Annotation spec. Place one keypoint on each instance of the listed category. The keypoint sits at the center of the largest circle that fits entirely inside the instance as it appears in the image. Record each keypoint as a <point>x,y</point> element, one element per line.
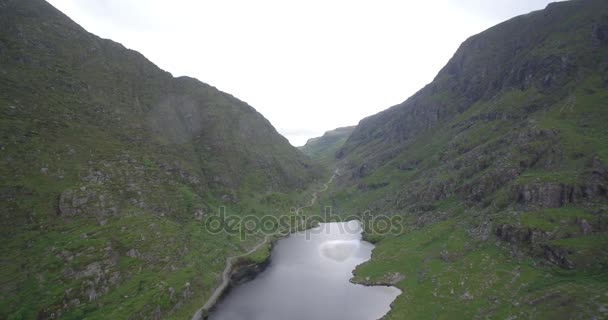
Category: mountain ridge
<point>497,167</point>
<point>110,167</point>
<point>323,149</point>
<point>498,164</point>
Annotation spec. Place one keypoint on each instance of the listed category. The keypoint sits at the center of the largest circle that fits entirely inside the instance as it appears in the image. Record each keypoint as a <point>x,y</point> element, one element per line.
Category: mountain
<point>108,166</point>
<point>499,169</point>
<point>323,149</point>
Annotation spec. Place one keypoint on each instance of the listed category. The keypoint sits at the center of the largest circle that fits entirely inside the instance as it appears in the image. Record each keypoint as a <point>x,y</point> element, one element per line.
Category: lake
<point>308,278</point>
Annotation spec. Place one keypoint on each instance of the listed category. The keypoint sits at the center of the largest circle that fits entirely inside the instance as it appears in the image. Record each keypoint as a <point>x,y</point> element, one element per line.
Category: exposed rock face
<point>483,109</point>
<point>389,279</point>
<point>535,240</point>
<point>514,123</point>
<point>557,256</point>
<point>96,278</point>
<point>82,202</point>
<point>555,195</point>
<point>515,235</point>
<point>546,195</point>
<point>246,270</point>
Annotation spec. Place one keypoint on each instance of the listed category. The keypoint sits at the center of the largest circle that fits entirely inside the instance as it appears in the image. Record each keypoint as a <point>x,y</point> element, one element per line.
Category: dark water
<point>308,278</point>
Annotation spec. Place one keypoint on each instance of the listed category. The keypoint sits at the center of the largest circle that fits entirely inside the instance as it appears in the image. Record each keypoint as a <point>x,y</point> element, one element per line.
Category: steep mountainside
<point>323,149</point>
<point>500,169</point>
<point>108,165</point>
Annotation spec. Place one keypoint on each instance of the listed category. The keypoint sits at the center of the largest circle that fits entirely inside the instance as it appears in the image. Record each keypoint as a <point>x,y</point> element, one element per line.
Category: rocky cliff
<point>515,119</point>
<point>500,163</point>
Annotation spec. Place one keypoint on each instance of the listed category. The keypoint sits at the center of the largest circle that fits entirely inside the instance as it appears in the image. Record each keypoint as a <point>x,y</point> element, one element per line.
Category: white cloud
<point>308,66</point>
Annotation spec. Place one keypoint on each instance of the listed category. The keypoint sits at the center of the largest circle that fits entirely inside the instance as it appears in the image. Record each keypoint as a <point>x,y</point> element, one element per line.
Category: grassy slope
<point>457,159</point>
<point>448,275</point>
<point>323,149</point>
<point>107,162</point>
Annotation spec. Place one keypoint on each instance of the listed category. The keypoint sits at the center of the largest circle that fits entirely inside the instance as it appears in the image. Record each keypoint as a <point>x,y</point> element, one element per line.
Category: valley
<point>112,169</point>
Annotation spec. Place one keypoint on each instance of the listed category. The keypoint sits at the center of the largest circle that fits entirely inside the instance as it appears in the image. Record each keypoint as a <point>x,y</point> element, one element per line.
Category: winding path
<point>315,194</point>
<point>217,293</point>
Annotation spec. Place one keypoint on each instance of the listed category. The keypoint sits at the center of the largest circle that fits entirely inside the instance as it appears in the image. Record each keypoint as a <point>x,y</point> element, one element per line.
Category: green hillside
<point>109,165</point>
<point>499,168</point>
<point>323,149</point>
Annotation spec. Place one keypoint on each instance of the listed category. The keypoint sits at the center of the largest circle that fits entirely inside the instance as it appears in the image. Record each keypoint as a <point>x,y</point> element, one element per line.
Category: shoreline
<point>232,262</point>
<point>245,271</point>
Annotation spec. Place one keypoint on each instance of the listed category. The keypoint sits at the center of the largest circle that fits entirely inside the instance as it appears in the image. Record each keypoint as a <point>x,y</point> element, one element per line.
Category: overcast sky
<point>308,66</point>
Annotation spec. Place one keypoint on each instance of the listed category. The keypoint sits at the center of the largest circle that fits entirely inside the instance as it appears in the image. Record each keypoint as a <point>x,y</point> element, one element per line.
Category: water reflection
<point>339,250</point>
<point>308,278</point>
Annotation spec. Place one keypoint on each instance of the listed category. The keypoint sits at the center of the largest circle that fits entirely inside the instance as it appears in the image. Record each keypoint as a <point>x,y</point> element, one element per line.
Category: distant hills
<point>323,149</point>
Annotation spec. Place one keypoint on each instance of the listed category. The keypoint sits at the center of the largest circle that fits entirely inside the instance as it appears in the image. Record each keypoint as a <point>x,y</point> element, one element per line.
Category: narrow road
<point>217,293</point>
<point>314,198</point>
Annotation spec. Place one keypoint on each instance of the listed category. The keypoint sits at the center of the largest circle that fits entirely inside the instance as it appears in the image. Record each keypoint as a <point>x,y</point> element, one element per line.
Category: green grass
<point>165,149</point>
<point>449,275</point>
<point>496,131</point>
<point>323,149</point>
<point>555,219</point>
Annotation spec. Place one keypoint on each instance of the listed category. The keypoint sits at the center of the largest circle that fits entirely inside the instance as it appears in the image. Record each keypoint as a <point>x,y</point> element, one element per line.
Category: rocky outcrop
<point>497,60</point>
<point>486,184</point>
<point>517,235</point>
<point>389,279</point>
<point>557,256</point>
<point>247,270</point>
<point>87,202</point>
<point>537,242</point>
<point>546,195</point>
<point>496,80</point>
<point>96,278</point>
<point>555,195</point>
